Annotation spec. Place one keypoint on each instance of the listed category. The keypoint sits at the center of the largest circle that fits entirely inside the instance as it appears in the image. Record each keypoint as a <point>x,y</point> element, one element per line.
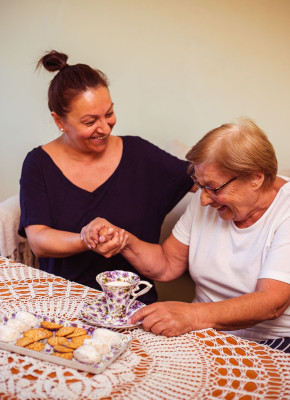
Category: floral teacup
<point>118,287</point>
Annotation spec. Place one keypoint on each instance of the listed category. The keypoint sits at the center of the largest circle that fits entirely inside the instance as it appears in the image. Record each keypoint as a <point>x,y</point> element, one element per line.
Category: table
<point>199,365</point>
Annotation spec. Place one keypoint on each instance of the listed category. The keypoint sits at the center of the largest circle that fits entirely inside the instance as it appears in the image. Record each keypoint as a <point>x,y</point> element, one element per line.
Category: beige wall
<point>177,68</point>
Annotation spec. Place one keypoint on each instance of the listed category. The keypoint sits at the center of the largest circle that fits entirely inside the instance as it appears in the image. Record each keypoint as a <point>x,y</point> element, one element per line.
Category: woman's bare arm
<point>172,318</point>
<point>47,242</point>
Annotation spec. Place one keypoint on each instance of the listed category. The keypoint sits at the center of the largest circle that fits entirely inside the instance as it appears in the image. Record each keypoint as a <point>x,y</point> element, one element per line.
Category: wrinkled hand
<point>103,237</point>
<point>170,318</point>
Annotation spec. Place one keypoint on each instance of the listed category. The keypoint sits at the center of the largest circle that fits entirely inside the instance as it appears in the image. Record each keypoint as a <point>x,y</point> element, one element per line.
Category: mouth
<point>99,137</point>
<point>220,208</point>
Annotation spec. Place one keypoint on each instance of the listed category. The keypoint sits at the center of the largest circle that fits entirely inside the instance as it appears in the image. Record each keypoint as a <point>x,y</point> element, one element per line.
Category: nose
<point>205,198</point>
<point>104,127</point>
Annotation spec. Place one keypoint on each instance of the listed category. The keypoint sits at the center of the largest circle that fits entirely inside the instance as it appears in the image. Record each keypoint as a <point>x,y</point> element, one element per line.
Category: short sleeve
<point>276,264</point>
<point>164,176</point>
<point>34,201</point>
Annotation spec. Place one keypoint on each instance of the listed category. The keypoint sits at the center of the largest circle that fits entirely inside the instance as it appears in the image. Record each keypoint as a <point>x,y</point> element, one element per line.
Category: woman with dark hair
<point>87,173</point>
<point>234,238</point>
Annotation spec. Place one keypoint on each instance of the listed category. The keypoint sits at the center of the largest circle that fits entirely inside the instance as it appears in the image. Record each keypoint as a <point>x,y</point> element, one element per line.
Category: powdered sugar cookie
<point>8,334</point>
<point>87,354</point>
<point>27,317</point>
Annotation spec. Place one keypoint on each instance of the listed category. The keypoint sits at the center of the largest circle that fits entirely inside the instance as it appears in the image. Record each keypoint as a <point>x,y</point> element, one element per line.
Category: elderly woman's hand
<point>103,237</point>
<point>170,318</point>
<point>113,246</point>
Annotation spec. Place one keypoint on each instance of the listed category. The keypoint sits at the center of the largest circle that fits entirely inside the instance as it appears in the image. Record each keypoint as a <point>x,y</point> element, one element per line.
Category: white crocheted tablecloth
<point>198,365</point>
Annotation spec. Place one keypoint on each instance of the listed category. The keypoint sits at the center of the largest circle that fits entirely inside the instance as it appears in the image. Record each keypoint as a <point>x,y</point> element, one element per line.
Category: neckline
<point>115,172</point>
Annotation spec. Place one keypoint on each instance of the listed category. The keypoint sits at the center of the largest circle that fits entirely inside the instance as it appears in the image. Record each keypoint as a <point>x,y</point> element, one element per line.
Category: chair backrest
<point>12,245</point>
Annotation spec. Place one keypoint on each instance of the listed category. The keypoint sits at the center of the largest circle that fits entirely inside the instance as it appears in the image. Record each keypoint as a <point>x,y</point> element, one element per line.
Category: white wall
<point>177,68</point>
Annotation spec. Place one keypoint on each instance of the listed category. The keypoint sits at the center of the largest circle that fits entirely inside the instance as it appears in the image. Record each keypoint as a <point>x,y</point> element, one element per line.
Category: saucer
<point>95,313</point>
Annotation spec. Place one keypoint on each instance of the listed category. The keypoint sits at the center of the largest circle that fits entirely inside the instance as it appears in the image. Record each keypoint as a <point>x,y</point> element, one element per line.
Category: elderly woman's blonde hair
<point>241,148</point>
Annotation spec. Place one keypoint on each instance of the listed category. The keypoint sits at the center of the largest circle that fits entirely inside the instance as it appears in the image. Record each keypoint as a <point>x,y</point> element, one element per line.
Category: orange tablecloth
<point>199,365</point>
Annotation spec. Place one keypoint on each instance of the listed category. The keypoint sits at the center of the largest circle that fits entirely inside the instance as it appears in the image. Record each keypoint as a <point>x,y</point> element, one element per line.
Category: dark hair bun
<point>53,61</point>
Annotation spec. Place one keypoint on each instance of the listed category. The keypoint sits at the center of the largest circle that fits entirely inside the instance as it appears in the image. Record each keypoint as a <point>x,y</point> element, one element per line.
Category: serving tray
<point>45,354</point>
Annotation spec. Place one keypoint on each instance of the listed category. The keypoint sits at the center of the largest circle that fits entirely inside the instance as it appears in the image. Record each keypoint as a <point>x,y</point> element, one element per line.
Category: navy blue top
<point>145,186</point>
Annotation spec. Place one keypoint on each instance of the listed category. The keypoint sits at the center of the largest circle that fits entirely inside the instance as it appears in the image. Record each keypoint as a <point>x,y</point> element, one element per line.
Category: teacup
<point>118,287</point>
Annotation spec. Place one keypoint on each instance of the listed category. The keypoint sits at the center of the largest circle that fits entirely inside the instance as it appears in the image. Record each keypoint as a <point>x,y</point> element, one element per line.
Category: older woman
<point>87,172</point>
<point>234,237</point>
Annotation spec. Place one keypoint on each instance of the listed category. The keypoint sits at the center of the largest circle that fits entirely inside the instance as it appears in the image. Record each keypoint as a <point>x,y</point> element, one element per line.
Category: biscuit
<point>50,325</point>
<point>80,339</point>
<point>64,331</point>
<point>38,333</point>
<point>73,345</point>
<point>36,346</point>
<point>24,341</point>
<point>77,332</point>
<point>62,349</point>
<point>67,356</point>
<point>54,340</point>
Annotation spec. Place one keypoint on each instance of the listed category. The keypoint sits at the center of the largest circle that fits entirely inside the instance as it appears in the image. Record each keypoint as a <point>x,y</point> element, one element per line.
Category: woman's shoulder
<point>137,141</point>
<point>35,154</point>
<point>145,149</point>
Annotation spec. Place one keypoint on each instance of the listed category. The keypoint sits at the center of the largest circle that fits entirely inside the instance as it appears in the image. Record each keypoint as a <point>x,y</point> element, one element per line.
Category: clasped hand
<point>103,237</point>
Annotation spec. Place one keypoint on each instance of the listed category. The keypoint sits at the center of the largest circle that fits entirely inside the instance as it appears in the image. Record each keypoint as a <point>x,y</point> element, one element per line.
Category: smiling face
<point>89,123</point>
<point>236,201</point>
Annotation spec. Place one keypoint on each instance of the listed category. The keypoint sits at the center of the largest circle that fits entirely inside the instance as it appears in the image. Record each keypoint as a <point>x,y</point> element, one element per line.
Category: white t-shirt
<point>226,261</point>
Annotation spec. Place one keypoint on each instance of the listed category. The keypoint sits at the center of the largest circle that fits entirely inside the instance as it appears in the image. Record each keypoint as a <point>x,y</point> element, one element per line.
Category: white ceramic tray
<point>109,358</point>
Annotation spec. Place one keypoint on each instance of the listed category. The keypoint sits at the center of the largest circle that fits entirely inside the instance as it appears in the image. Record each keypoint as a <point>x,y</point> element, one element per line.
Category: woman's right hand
<point>97,231</point>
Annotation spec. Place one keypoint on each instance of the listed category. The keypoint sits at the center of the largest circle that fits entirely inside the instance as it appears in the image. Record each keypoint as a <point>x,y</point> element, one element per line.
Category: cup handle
<point>135,295</point>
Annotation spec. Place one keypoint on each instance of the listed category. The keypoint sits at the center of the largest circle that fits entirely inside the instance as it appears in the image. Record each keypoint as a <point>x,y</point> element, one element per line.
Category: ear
<point>58,120</point>
<point>257,180</point>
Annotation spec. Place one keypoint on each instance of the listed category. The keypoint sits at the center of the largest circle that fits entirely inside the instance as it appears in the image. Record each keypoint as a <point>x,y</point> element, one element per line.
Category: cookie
<point>80,339</point>
<point>54,340</point>
<point>38,333</point>
<point>24,341</point>
<point>77,332</point>
<point>50,325</point>
<point>36,346</point>
<point>73,345</point>
<point>62,349</point>
<point>64,331</point>
<point>67,356</point>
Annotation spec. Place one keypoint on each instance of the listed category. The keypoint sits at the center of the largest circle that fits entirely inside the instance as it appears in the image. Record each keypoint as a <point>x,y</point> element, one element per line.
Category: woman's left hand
<point>170,318</point>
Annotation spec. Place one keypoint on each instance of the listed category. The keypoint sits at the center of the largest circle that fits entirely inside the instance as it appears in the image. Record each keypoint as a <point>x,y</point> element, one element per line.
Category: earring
<point>61,129</point>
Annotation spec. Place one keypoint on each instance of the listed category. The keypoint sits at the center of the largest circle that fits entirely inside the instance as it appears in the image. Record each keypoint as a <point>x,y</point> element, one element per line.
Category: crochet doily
<point>198,365</point>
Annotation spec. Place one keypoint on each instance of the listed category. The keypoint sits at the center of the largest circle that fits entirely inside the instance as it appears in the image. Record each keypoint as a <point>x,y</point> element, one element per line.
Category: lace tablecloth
<point>199,365</point>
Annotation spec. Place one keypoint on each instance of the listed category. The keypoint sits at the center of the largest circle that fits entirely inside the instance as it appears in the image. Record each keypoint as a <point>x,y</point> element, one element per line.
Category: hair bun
<point>53,61</point>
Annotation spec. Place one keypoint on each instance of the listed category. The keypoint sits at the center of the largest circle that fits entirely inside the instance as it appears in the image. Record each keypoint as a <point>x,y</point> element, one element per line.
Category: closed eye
<point>109,114</point>
<point>89,123</point>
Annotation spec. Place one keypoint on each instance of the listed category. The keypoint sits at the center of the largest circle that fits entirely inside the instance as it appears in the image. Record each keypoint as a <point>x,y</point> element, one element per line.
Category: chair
<point>12,245</point>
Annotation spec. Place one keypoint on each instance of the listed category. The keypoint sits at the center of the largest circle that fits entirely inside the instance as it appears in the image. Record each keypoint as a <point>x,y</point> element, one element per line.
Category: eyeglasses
<point>212,191</point>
